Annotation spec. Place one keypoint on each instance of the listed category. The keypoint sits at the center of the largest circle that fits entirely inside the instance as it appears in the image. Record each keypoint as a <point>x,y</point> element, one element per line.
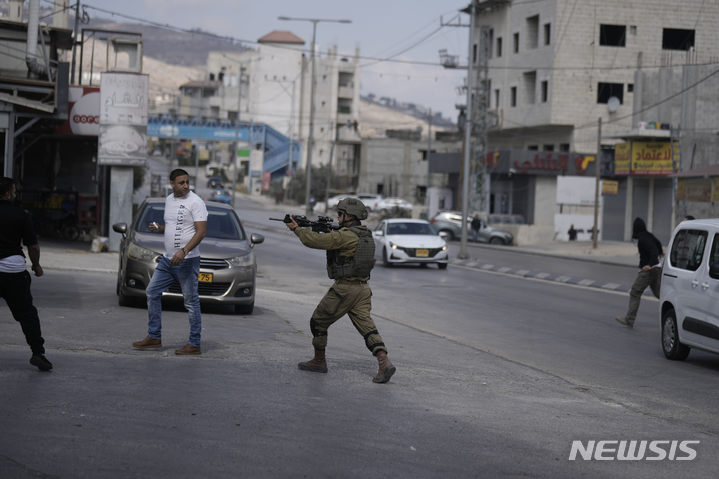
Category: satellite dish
<point>613,104</point>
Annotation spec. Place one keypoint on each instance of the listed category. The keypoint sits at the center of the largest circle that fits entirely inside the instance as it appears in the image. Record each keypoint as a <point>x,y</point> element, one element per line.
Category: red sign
<point>84,112</point>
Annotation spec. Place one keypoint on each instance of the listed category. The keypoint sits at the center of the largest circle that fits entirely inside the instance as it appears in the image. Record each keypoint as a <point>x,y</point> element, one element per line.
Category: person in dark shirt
<point>572,233</point>
<point>650,270</point>
<point>15,229</point>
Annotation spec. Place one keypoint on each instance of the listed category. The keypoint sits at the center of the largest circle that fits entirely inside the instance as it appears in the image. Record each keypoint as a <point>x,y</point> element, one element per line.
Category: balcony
<point>345,92</point>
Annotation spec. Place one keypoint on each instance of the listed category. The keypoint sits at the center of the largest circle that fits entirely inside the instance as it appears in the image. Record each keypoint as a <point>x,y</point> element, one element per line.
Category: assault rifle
<point>322,225</point>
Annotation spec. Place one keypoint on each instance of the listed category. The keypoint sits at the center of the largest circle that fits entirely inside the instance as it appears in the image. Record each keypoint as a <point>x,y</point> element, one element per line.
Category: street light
<point>310,138</point>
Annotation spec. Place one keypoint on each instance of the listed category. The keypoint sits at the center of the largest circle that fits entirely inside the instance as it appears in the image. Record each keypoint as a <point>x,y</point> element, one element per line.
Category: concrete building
<point>271,84</point>
<point>556,66</point>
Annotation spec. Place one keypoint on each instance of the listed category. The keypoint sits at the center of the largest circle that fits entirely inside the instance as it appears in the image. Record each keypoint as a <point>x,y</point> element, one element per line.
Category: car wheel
<point>442,265</point>
<point>673,349</point>
<point>385,261</point>
<point>450,235</point>
<point>496,240</point>
<point>244,308</point>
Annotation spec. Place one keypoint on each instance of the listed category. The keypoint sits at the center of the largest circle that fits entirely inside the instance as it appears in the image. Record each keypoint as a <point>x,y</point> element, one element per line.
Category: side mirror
<point>444,235</point>
<point>378,233</point>
<point>714,270</point>
<point>120,228</point>
<point>256,238</point>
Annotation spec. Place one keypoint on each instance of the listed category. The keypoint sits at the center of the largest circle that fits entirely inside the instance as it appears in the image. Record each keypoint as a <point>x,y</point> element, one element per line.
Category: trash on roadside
<point>99,244</point>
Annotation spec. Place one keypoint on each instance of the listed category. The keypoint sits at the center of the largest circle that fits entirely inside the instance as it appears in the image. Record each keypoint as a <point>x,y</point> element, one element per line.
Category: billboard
<point>652,158</point>
<point>123,119</point>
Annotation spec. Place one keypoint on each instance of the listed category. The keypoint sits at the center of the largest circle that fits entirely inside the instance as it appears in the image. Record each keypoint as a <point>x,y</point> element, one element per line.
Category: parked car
<point>400,240</point>
<point>227,262</point>
<point>689,290</point>
<point>450,223</point>
<point>221,196</point>
<point>370,200</point>
<point>215,182</point>
<point>389,204</point>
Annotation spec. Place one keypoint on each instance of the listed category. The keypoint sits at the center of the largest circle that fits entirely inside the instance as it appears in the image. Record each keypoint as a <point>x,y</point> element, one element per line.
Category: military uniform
<point>349,295</point>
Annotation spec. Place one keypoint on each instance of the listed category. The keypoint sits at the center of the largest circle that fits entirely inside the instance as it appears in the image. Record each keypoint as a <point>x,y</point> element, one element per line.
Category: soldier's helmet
<point>353,206</point>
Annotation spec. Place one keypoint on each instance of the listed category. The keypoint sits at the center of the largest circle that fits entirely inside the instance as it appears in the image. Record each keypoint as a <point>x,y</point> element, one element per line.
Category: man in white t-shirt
<point>185,227</point>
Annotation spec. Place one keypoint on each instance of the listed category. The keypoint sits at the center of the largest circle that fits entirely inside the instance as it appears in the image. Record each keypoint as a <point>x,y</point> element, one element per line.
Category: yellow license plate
<point>205,277</point>
<point>422,252</point>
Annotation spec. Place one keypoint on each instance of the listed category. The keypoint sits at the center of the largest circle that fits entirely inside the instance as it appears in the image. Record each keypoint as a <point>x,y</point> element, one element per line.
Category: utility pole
<point>469,123</point>
<point>235,157</point>
<point>74,42</point>
<point>429,152</point>
<point>597,164</point>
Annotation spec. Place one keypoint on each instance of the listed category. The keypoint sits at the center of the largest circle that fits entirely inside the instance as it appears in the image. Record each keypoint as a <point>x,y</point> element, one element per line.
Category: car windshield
<point>410,229</point>
<point>221,223</point>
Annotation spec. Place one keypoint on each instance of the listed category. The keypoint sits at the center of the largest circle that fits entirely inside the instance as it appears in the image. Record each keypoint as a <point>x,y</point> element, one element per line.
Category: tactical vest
<point>357,266</point>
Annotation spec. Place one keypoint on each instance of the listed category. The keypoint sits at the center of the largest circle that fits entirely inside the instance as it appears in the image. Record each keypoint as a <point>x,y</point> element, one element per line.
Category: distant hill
<point>174,48</point>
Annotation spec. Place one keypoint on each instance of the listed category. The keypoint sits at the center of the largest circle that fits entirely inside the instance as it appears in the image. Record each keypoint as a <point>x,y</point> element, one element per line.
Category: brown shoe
<point>148,343</point>
<point>386,369</point>
<point>318,364</point>
<point>623,320</point>
<point>188,349</point>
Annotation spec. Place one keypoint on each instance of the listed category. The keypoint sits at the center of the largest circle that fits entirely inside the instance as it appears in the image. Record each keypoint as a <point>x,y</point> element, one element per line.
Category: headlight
<point>244,260</point>
<point>444,248</point>
<point>139,253</point>
<point>392,245</point>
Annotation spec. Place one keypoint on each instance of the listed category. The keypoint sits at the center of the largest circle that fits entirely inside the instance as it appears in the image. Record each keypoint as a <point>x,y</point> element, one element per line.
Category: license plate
<point>423,252</point>
<point>205,277</point>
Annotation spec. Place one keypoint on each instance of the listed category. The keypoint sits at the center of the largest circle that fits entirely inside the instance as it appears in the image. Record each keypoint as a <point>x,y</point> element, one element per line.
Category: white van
<point>689,298</point>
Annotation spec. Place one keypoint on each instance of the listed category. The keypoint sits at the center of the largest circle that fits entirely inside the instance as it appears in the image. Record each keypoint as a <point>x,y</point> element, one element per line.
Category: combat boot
<point>386,369</point>
<point>318,364</point>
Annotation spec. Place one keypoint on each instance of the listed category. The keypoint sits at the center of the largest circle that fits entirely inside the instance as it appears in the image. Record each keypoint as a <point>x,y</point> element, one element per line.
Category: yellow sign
<point>651,158</point>
<point>610,187</point>
<point>622,158</point>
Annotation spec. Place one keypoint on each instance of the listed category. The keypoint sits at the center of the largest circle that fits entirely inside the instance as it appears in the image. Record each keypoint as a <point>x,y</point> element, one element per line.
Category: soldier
<point>350,258</point>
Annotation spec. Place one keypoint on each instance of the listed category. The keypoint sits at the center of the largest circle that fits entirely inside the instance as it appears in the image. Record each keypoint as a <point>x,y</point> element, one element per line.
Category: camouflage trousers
<point>353,299</point>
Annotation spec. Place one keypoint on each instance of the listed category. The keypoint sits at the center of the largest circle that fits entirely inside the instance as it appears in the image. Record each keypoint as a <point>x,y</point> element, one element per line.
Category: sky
<point>379,28</point>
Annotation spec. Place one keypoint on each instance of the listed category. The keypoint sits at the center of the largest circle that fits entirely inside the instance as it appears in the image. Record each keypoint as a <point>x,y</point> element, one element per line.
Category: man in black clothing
<point>650,274</point>
<point>16,227</point>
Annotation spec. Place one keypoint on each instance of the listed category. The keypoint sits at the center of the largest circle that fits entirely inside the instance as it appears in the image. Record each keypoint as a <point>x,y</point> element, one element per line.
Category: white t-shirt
<point>13,264</point>
<point>180,217</point>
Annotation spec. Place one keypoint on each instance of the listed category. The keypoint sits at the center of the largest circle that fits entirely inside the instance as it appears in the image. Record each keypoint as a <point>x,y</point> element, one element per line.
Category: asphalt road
<point>497,375</point>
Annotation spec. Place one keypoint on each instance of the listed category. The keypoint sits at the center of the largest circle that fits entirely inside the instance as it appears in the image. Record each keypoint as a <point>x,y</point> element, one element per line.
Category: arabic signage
<point>544,163</point>
<point>696,189</point>
<point>643,158</point>
<point>123,119</point>
<point>204,132</point>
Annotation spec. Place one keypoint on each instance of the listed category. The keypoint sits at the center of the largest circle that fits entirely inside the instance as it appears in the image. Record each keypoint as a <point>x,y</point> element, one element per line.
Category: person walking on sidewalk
<point>650,274</point>
<point>185,227</point>
<point>350,258</point>
<point>15,229</point>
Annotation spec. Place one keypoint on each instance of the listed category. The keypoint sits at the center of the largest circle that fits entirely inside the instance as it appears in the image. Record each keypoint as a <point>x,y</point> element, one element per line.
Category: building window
<point>547,33</point>
<point>474,54</point>
<point>533,148</point>
<point>545,91</point>
<point>564,147</point>
<point>515,41</point>
<point>632,29</point>
<point>630,87</point>
<point>677,39</point>
<point>613,35</point>
<point>496,98</point>
<point>607,90</point>
<point>491,41</point>
<point>513,96</point>
<point>548,147</point>
<point>499,47</point>
<point>533,32</point>
<point>530,86</point>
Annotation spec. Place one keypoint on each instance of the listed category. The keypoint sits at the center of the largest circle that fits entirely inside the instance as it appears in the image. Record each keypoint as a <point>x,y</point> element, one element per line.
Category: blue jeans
<point>166,273</point>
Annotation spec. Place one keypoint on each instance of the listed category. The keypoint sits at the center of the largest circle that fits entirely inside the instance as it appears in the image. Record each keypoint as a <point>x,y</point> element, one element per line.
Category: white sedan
<point>403,240</point>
